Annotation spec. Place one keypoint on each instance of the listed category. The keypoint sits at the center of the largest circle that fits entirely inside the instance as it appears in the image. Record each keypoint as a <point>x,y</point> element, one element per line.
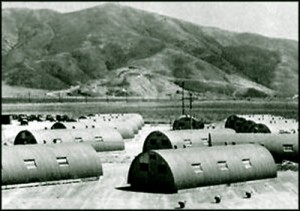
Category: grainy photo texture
<point>149,105</point>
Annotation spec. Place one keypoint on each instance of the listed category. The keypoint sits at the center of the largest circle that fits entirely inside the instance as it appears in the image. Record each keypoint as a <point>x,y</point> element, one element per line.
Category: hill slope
<point>50,50</point>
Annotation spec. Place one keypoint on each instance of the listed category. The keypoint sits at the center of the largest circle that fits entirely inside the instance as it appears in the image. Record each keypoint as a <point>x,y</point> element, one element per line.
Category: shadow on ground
<point>133,189</point>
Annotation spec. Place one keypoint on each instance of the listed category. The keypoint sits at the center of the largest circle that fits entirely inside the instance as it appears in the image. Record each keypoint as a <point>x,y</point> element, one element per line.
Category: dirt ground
<point>109,191</point>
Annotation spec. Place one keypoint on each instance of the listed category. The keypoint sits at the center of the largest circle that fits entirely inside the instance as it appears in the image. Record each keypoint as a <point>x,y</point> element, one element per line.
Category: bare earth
<point>107,193</point>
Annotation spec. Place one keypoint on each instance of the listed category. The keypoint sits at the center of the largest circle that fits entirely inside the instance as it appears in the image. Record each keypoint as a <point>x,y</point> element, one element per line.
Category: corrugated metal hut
<point>242,125</point>
<point>275,124</point>
<point>137,118</point>
<point>281,146</point>
<point>41,163</point>
<point>185,122</point>
<point>107,139</point>
<point>124,129</point>
<point>72,125</point>
<point>173,139</point>
<point>171,170</point>
<point>131,123</point>
<point>10,132</point>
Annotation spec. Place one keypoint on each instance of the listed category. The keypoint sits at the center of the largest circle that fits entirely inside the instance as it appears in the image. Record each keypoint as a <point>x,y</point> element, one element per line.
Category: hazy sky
<point>273,19</point>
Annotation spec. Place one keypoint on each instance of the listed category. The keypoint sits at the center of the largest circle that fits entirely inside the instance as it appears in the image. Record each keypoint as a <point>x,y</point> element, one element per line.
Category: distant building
<point>106,139</point>
<point>184,122</point>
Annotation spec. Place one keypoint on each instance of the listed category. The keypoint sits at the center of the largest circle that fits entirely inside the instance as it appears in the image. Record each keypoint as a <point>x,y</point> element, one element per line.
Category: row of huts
<point>260,123</point>
<point>64,150</point>
<point>127,125</point>
<point>178,159</point>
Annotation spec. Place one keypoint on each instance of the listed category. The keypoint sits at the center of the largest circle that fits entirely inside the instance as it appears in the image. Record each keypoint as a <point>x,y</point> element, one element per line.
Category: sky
<point>272,19</point>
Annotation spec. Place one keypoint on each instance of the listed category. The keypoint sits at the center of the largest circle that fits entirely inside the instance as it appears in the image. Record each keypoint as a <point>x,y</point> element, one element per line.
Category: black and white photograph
<point>149,105</point>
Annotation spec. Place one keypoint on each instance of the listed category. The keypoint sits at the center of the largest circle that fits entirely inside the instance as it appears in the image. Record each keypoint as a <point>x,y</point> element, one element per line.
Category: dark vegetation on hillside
<point>50,50</point>
<point>256,63</point>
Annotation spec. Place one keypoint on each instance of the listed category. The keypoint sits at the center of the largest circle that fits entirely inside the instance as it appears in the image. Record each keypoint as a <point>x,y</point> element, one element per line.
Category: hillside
<point>109,48</point>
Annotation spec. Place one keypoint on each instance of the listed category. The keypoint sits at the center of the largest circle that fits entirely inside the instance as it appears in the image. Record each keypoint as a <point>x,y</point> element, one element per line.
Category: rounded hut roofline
<point>41,163</point>
<point>195,167</point>
<point>186,116</point>
<point>162,139</point>
<point>197,150</point>
<point>91,135</point>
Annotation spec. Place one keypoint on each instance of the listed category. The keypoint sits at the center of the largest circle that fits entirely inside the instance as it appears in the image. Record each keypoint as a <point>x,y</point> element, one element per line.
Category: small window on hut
<point>223,165</point>
<point>197,167</point>
<point>62,161</point>
<point>79,139</point>
<point>204,141</point>
<point>247,163</point>
<point>30,163</point>
<point>187,142</point>
<point>288,147</point>
<point>161,168</point>
<point>144,166</point>
<point>57,140</point>
<point>99,138</point>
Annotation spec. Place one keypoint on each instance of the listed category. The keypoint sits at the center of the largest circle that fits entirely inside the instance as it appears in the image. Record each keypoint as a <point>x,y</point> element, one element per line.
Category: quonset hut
<point>173,139</point>
<point>40,163</point>
<point>72,125</point>
<point>281,146</point>
<point>124,129</point>
<point>241,125</point>
<point>107,139</point>
<point>172,170</point>
<point>185,122</point>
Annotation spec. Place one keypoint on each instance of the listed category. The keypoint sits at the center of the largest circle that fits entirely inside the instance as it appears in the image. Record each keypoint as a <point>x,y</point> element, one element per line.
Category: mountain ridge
<point>84,47</point>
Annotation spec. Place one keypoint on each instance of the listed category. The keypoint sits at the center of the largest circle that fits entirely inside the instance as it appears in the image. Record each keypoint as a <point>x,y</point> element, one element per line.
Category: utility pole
<point>29,99</point>
<point>191,100</point>
<point>182,92</point>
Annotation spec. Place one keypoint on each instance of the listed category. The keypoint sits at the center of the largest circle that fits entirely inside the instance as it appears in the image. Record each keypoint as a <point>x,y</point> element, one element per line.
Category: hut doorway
<point>25,137</point>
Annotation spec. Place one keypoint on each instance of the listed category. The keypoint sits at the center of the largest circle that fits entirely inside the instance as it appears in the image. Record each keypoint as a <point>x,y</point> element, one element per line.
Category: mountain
<point>111,48</point>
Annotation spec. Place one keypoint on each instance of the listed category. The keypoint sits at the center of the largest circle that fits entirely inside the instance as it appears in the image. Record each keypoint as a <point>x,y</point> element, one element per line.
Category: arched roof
<point>38,163</point>
<point>184,122</point>
<point>181,138</point>
<point>241,163</point>
<point>72,125</point>
<point>102,140</point>
<point>126,130</point>
<point>275,143</point>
